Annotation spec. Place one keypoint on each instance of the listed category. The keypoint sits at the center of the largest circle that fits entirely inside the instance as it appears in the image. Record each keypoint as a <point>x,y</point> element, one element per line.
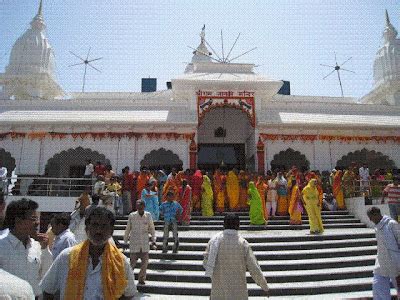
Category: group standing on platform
<point>278,193</point>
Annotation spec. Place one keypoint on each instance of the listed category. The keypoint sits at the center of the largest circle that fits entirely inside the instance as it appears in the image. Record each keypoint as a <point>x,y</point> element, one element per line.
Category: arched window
<point>161,159</point>
<point>284,160</point>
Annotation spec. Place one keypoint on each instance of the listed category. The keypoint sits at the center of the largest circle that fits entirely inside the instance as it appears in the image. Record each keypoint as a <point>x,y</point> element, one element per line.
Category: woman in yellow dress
<point>311,202</point>
<point>207,198</point>
<point>232,190</point>
<point>338,191</point>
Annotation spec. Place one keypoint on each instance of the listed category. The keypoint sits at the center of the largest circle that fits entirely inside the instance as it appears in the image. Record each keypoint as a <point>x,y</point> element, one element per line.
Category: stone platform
<point>297,265</point>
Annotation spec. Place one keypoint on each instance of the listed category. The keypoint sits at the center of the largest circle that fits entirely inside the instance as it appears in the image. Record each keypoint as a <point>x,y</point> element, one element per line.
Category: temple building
<point>214,113</point>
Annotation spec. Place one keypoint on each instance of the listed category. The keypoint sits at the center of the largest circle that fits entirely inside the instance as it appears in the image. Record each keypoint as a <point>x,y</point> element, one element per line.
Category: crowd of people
<point>78,258</point>
<point>264,196</point>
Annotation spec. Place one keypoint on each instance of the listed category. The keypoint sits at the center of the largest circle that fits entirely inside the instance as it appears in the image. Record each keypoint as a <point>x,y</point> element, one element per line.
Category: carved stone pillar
<point>260,156</point>
<point>193,155</point>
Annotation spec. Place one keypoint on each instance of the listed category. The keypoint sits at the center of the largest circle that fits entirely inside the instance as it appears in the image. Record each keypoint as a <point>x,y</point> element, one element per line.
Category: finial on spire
<point>203,33</point>
<point>40,8</point>
<point>390,33</point>
<point>387,18</point>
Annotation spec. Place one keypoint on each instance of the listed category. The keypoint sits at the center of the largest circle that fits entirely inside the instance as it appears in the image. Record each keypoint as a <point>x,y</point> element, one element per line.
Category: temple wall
<point>324,155</point>
<point>31,156</point>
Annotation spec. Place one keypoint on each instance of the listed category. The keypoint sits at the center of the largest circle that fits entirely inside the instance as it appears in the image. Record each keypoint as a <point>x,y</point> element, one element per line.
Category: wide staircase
<point>295,263</point>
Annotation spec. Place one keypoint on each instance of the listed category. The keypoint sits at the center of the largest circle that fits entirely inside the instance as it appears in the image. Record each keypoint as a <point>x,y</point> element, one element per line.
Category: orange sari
<point>338,191</point>
<point>142,179</point>
<point>262,188</point>
<point>219,191</point>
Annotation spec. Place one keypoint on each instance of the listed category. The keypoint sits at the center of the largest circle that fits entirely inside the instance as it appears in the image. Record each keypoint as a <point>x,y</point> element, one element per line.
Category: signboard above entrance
<point>243,100</point>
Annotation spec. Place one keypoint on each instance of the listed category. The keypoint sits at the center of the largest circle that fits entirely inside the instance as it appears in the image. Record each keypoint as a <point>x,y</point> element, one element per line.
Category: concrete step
<point>276,289</point>
<point>274,255</point>
<point>281,246</point>
<point>253,227</point>
<point>272,277</point>
<point>272,265</point>
<point>267,237</point>
<point>246,213</point>
<point>247,222</point>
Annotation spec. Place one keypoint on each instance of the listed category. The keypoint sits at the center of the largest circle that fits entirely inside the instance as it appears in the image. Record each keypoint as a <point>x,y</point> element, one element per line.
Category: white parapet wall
<point>357,207</point>
<point>49,204</point>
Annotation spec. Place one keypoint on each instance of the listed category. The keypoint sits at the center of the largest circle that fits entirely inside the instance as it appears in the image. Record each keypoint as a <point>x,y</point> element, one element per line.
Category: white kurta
<point>229,276</point>
<point>138,230</point>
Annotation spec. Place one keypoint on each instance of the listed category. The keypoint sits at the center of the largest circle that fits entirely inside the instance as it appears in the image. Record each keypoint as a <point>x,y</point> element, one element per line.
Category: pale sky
<point>150,38</point>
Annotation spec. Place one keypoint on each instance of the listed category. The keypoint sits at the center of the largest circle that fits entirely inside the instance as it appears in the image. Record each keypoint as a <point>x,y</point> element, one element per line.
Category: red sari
<point>185,200</point>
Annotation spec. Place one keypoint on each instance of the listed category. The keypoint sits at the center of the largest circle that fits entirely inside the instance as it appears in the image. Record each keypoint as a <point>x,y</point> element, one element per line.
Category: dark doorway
<point>210,156</point>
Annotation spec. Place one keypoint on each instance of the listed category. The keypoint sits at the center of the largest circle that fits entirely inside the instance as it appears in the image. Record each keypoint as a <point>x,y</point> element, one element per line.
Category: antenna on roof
<point>87,62</point>
<point>337,68</point>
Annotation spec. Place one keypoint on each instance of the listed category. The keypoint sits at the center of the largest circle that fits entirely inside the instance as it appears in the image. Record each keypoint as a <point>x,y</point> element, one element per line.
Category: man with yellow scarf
<point>93,269</point>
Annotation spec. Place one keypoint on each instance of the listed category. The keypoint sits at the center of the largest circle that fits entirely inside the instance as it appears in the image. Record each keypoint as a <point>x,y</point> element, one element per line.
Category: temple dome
<point>32,53</point>
<point>387,62</point>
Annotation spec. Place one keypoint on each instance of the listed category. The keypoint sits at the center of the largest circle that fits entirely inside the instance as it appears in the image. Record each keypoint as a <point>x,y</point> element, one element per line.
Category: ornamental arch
<point>285,159</point>
<point>161,159</point>
<point>71,162</point>
<point>374,160</point>
<point>7,161</point>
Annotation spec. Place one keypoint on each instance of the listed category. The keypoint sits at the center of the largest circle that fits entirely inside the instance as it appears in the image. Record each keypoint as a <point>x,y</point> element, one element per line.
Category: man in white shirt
<point>387,264</point>
<point>226,260</point>
<point>140,225</point>
<point>95,268</point>
<point>12,287</point>
<point>363,172</point>
<point>3,179</point>
<point>89,169</point>
<point>64,237</point>
<point>20,254</point>
<point>3,231</point>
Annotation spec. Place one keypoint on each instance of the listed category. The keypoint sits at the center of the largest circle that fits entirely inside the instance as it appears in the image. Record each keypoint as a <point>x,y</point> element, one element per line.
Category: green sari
<point>256,210</point>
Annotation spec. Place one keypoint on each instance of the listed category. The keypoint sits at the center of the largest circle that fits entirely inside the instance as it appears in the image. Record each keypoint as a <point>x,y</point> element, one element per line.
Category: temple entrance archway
<point>226,135</point>
<point>374,160</point>
<point>71,162</point>
<point>161,159</point>
<point>285,159</point>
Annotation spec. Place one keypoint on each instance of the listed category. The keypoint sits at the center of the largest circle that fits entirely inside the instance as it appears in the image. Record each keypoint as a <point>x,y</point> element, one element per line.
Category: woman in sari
<point>173,184</point>
<point>219,191</point>
<point>295,205</point>
<point>150,198</point>
<point>311,203</point>
<point>196,182</point>
<point>338,191</point>
<point>282,190</point>
<point>348,179</point>
<point>185,200</point>
<point>262,190</point>
<point>207,198</point>
<point>232,190</point>
<point>256,209</point>
<point>243,188</point>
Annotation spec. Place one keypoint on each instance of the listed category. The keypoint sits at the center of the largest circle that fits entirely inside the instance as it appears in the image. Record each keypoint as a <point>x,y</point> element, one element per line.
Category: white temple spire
<point>390,33</point>
<point>40,8</point>
<point>38,21</point>
<point>202,53</point>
